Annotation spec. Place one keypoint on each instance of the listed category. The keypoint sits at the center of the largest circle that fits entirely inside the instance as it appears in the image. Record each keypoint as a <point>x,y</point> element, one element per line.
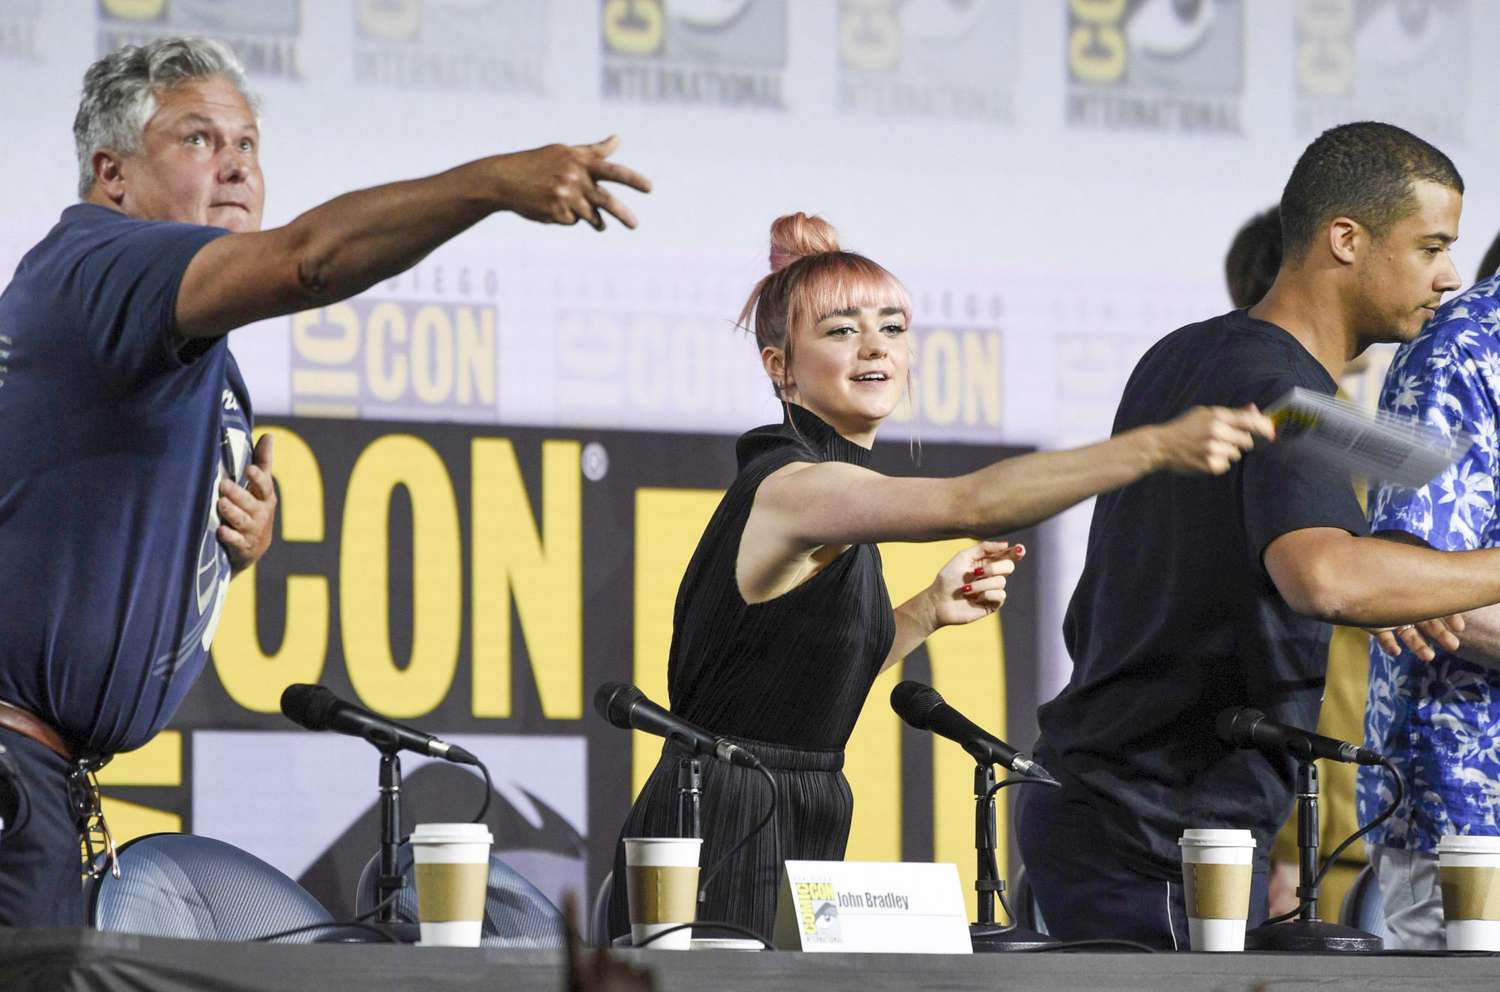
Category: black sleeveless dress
<point>785,678</point>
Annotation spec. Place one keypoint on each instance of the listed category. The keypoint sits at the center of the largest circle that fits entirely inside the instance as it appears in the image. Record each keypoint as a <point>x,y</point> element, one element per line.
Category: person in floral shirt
<point>1439,722</point>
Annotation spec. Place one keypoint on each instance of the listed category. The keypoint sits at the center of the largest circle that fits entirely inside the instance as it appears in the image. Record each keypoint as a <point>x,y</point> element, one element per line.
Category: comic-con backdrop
<point>1056,181</point>
<point>480,583</point>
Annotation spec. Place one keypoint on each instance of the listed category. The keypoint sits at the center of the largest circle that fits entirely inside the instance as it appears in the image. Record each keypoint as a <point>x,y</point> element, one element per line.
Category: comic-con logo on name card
<point>1401,61</point>
<point>494,46</point>
<point>264,34</point>
<point>18,30</point>
<point>723,53</point>
<point>953,59</point>
<point>1156,65</point>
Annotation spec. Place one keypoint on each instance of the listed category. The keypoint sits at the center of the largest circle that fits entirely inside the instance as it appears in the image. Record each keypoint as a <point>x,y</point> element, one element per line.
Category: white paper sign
<point>906,908</point>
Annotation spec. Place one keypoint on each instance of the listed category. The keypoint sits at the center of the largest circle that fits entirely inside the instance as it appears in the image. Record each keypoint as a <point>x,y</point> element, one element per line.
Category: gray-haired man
<point>129,494</point>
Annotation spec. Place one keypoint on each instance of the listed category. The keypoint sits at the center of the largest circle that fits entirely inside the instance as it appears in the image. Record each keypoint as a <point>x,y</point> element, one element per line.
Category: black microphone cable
<point>993,865</point>
<point>1333,858</point>
<point>769,817</point>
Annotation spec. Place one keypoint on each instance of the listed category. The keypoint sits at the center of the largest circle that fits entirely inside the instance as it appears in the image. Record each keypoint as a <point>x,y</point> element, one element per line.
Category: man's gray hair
<point>120,91</point>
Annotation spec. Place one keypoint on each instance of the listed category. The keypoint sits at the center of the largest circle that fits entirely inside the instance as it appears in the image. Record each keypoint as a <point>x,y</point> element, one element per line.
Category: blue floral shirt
<point>1440,722</point>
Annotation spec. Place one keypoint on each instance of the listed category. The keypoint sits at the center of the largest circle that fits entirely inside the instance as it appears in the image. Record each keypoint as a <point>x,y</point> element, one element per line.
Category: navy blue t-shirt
<point>1175,617</point>
<point>114,437</point>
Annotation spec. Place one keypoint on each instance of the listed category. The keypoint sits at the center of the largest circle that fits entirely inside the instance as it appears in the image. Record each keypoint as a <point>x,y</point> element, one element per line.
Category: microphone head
<point>614,701</point>
<point>309,706</point>
<point>1235,724</point>
<point>914,703</point>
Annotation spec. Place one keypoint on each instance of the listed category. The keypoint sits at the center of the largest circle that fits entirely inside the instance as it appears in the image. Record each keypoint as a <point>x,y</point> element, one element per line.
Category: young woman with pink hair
<point>782,620</point>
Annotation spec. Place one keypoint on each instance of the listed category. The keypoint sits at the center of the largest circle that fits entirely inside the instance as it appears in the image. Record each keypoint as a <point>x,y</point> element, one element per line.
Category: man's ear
<point>1346,238</point>
<point>109,178</point>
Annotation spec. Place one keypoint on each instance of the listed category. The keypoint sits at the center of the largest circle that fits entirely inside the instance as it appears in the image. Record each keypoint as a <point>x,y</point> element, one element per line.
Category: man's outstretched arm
<point>342,247</point>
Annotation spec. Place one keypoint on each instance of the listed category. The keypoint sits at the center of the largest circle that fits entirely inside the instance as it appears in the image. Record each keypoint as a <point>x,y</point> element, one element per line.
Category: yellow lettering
<point>312,341</point>
<point>386,382</point>
<point>364,567</point>
<point>541,571</point>
<point>941,392</point>
<point>476,355</point>
<point>668,524</point>
<point>135,10</point>
<point>982,375</point>
<point>432,355</point>
<point>1096,47</point>
<point>394,19</point>
<point>968,664</point>
<point>633,27</point>
<point>251,677</point>
<point>157,763</point>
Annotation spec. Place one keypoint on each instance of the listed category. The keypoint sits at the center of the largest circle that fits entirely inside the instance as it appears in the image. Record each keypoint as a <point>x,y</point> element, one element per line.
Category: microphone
<point>1250,728</point>
<point>626,707</point>
<point>314,707</point>
<point>922,707</point>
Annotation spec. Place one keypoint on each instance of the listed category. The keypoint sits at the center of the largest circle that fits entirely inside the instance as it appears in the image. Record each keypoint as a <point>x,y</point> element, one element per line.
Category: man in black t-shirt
<point>1200,594</point>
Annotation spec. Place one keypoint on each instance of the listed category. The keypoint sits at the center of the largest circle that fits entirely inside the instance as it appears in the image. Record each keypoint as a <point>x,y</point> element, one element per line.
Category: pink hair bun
<point>797,236</point>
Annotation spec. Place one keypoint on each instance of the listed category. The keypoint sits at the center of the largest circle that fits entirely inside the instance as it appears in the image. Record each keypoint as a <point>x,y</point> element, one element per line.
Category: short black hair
<point>1364,171</point>
<point>1254,258</point>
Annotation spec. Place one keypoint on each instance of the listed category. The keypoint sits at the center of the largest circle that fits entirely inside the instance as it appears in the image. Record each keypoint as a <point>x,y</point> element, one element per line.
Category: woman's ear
<point>773,359</point>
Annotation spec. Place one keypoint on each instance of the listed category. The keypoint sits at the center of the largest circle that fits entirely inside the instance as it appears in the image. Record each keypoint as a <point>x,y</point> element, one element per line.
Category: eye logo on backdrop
<point>952,59</point>
<point>18,30</point>
<point>1402,61</point>
<point>1156,65</point>
<point>496,46</point>
<point>724,53</point>
<point>265,34</point>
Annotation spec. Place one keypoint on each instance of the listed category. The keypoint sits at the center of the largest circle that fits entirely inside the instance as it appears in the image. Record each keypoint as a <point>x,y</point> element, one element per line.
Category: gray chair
<point>180,885</point>
<point>1363,906</point>
<point>516,913</point>
<point>599,918</point>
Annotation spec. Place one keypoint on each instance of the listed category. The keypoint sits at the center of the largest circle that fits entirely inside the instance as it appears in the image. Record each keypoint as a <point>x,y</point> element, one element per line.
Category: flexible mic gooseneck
<point>1250,728</point>
<point>626,707</point>
<point>922,707</point>
<point>316,708</point>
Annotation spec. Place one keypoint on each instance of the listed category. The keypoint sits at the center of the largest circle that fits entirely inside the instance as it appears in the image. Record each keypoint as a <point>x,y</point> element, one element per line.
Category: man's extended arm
<point>1369,582</point>
<point>353,241</point>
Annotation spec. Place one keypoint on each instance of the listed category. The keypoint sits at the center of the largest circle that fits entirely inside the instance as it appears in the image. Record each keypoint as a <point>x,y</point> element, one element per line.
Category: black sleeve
<point>1286,488</point>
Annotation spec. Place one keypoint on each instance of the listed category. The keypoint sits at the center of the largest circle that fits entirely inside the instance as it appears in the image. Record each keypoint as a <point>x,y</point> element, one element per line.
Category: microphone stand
<point>985,934</point>
<point>389,882</point>
<point>689,814</point>
<point>1307,933</point>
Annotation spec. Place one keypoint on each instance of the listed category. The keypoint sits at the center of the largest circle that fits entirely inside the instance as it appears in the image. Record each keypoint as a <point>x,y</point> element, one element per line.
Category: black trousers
<point>41,876</point>
<point>1086,892</point>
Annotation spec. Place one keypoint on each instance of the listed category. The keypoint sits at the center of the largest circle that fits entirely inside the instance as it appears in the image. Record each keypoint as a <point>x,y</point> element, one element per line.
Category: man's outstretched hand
<point>561,184</point>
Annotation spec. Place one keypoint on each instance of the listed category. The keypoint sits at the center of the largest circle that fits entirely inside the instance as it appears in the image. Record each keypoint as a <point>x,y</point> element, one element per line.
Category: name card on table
<point>907,908</point>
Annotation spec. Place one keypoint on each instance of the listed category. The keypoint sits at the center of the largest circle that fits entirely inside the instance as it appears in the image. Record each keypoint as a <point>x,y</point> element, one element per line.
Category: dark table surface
<point>66,960</point>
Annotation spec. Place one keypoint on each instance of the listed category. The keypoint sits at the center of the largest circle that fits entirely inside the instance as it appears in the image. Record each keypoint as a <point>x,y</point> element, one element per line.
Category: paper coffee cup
<point>452,873</point>
<point>1469,872</point>
<point>1216,867</point>
<point>661,879</point>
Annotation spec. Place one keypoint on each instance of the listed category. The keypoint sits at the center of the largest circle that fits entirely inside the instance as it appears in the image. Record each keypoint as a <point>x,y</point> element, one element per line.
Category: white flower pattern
<point>1440,723</point>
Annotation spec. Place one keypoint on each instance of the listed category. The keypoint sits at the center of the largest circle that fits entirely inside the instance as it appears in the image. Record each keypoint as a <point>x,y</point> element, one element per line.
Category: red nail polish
<point>1020,550</point>
<point>967,589</point>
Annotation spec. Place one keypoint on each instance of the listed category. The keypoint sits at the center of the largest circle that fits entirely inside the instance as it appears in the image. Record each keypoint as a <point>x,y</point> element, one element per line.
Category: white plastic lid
<point>452,833</point>
<point>1215,837</point>
<point>1469,844</point>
